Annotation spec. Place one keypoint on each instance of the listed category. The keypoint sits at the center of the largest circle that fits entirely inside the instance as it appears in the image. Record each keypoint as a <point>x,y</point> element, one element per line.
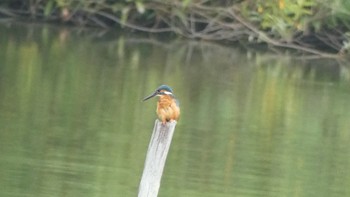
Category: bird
<point>167,106</point>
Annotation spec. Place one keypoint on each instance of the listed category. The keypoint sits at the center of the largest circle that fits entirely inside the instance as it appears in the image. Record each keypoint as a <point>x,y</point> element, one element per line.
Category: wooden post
<point>155,160</point>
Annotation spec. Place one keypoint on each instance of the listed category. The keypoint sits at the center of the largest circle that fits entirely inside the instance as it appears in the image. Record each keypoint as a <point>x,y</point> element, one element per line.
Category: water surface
<point>72,121</point>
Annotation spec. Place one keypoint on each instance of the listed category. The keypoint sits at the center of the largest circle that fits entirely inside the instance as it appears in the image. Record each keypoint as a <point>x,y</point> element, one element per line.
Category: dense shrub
<point>315,26</point>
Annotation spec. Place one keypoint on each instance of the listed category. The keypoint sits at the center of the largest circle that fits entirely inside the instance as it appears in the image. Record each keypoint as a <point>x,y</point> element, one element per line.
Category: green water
<point>72,122</point>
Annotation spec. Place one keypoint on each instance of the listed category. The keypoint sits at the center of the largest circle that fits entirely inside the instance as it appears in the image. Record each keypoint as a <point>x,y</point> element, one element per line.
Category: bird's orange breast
<point>167,109</point>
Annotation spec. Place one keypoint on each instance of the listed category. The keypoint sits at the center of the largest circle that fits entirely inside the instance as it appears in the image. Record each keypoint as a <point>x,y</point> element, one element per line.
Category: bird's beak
<point>150,96</point>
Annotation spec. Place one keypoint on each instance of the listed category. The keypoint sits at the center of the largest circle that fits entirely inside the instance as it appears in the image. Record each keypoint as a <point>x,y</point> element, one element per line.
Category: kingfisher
<point>168,106</point>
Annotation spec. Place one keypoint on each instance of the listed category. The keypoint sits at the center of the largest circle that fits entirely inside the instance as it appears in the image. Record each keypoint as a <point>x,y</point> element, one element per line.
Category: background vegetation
<point>318,27</point>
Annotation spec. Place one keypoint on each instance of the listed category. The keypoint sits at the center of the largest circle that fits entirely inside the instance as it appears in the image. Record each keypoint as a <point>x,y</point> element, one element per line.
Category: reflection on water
<point>72,123</point>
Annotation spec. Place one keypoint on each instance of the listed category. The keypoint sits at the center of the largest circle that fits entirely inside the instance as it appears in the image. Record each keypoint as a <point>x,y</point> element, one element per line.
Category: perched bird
<point>167,106</point>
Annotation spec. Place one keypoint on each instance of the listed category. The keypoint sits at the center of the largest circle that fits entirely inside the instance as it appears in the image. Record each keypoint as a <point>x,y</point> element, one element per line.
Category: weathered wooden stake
<point>155,160</point>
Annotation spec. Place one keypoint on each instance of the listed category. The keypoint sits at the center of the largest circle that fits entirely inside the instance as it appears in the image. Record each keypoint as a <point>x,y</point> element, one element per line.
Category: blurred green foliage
<point>280,19</point>
<point>277,15</point>
<point>286,17</point>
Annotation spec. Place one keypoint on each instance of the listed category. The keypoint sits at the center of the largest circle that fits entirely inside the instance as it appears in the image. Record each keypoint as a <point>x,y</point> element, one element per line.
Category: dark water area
<point>253,124</point>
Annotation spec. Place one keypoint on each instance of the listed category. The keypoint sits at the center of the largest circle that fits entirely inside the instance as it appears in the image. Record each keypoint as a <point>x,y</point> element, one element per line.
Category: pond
<point>253,123</point>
